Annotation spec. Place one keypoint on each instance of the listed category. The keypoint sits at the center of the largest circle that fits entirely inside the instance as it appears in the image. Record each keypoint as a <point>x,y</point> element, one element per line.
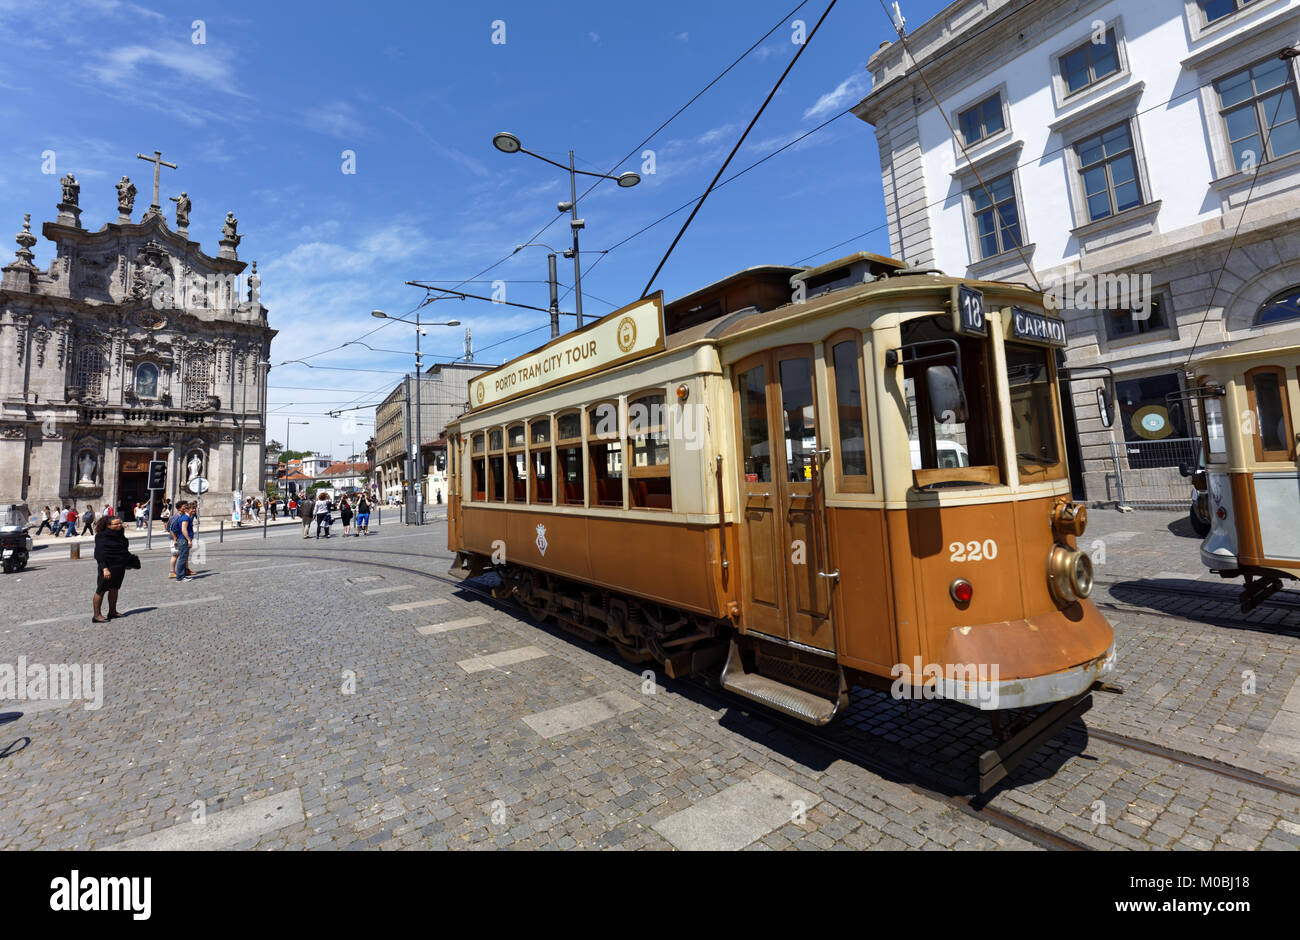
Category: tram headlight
<point>1069,574</point>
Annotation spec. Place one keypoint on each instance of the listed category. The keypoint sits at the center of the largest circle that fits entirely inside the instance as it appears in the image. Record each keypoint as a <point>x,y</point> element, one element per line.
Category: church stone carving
<point>125,199</point>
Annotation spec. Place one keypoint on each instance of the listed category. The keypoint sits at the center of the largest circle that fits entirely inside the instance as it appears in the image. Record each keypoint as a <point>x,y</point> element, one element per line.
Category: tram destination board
<point>1037,327</point>
<point>968,311</point>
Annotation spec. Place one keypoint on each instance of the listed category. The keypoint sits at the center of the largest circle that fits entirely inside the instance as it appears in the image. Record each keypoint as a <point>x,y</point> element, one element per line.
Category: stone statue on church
<point>254,286</point>
<point>182,210</point>
<point>125,197</point>
<point>71,190</point>
<point>195,466</point>
<point>86,464</point>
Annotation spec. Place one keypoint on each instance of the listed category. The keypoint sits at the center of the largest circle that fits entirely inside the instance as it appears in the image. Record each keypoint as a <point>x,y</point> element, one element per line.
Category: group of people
<point>322,512</point>
<point>63,520</point>
<point>253,509</point>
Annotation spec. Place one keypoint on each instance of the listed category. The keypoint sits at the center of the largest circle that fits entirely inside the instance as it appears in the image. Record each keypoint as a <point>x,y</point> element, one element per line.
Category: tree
<point>273,446</point>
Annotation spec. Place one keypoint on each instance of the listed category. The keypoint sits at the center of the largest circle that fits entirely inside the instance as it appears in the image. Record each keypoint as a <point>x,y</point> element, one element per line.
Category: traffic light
<point>157,474</point>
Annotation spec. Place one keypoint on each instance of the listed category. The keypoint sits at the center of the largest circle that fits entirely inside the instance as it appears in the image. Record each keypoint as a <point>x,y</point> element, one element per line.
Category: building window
<point>1122,324</point>
<point>1089,63</point>
<point>1280,307</point>
<point>997,220</point>
<point>981,120</point>
<point>146,380</point>
<point>196,380</point>
<point>1108,167</point>
<point>649,482</point>
<point>1147,415</point>
<point>568,454</point>
<point>90,371</point>
<point>539,434</point>
<point>1217,9</point>
<point>1258,105</point>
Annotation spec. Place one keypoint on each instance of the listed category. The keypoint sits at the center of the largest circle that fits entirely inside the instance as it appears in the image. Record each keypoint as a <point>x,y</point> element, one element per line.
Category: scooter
<point>15,537</point>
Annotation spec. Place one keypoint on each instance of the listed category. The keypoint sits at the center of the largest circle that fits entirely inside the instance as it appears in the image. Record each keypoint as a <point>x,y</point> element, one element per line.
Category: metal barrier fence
<point>1146,473</point>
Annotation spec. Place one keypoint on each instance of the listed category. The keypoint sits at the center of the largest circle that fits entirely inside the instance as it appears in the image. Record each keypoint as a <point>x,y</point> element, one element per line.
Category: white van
<point>950,453</point>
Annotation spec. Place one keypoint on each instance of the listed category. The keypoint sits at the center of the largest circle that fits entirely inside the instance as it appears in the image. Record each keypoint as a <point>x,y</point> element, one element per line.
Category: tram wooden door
<point>782,512</point>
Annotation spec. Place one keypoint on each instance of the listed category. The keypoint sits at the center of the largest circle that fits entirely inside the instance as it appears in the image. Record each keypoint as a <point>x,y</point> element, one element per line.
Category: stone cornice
<point>184,320</point>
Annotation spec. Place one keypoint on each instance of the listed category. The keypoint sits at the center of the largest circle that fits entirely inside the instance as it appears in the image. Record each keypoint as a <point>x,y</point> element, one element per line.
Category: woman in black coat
<point>112,558</point>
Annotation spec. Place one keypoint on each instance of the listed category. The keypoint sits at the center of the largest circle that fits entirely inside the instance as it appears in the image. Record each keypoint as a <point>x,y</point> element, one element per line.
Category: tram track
<point>889,761</point>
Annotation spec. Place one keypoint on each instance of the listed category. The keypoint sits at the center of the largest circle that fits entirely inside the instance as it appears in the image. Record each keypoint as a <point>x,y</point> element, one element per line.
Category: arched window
<point>146,380</point>
<point>1279,307</point>
<point>90,370</point>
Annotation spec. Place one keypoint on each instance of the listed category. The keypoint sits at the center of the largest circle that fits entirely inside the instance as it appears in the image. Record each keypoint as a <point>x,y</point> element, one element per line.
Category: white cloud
<point>336,119</point>
<point>847,91</point>
<point>201,65</point>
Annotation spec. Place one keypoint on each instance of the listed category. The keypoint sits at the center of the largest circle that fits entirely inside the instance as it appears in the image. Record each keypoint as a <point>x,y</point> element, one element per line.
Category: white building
<point>315,465</point>
<point>1083,140</point>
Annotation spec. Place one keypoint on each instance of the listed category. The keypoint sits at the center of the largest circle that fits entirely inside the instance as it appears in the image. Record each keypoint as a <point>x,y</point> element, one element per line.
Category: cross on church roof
<point>158,163</point>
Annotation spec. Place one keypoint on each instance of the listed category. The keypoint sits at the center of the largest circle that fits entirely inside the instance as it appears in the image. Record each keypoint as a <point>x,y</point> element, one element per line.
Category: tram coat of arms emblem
<point>626,334</point>
<point>541,540</point>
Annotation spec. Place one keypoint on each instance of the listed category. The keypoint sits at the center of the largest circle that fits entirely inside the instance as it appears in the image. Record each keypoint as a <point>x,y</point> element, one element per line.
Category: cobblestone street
<point>343,693</point>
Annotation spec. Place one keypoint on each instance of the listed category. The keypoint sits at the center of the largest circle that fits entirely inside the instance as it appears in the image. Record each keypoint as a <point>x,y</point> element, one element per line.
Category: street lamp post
<point>415,486</point>
<point>509,143</point>
<point>243,423</point>
<point>552,281</point>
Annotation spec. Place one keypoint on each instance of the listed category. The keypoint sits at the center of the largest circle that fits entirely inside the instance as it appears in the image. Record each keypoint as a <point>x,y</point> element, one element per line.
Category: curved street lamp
<point>509,143</point>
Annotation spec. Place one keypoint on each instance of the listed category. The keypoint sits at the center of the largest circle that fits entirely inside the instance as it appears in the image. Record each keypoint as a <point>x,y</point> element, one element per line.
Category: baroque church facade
<point>132,343</point>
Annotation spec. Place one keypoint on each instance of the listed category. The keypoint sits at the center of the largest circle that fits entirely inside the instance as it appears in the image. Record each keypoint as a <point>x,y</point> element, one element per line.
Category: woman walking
<point>345,513</point>
<point>112,558</point>
<point>322,514</point>
<point>363,515</point>
<point>45,521</point>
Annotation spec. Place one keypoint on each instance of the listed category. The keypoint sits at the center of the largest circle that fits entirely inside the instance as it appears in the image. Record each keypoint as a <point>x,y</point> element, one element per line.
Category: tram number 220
<point>973,550</point>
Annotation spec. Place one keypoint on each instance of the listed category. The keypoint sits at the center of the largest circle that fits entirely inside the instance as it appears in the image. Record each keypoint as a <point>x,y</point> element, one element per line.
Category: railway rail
<point>887,759</point>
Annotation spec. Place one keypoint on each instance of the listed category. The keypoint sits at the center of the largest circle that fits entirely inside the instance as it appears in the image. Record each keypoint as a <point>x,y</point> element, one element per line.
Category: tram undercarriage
<point>798,683</point>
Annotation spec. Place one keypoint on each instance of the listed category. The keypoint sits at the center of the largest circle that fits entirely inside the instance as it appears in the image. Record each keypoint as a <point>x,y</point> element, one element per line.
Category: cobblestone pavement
<point>339,694</point>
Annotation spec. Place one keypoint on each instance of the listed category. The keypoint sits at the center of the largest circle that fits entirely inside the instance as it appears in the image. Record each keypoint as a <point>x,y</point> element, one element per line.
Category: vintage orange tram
<point>799,481</point>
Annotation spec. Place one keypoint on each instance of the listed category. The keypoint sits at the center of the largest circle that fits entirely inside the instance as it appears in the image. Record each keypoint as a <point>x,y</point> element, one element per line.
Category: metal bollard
<point>74,550</point>
<point>221,532</point>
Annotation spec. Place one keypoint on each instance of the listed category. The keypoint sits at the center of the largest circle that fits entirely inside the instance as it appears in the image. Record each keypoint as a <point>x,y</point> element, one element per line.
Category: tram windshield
<point>1033,418</point>
<point>944,450</point>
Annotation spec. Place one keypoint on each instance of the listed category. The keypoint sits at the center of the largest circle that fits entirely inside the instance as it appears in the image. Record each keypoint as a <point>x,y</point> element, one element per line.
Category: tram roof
<point>1272,341</point>
<point>750,318</point>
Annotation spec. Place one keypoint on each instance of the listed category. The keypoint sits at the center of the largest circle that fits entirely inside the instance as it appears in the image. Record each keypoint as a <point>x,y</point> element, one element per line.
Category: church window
<point>90,370</point>
<point>197,376</point>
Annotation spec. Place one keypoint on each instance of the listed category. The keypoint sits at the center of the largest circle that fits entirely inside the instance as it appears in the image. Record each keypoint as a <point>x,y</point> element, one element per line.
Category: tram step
<point>786,699</point>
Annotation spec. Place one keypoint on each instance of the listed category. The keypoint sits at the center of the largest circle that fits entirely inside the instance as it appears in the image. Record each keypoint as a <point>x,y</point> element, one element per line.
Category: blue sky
<point>258,117</point>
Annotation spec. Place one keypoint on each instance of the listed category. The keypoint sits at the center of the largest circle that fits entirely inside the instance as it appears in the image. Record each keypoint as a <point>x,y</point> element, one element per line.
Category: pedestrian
<point>45,521</point>
<point>363,515</point>
<point>345,513</point>
<point>108,510</point>
<point>112,558</point>
<point>272,510</point>
<point>293,508</point>
<point>306,516</point>
<point>60,519</point>
<point>88,520</point>
<point>171,535</point>
<point>70,517</point>
<point>322,513</point>
<point>183,526</point>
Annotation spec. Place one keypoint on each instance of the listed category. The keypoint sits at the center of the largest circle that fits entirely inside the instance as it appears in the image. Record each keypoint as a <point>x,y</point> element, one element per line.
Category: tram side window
<point>518,463</point>
<point>1266,392</point>
<point>755,448</point>
<point>480,468</point>
<point>605,454</point>
<point>850,427</point>
<point>939,441</point>
<point>496,467</point>
<point>568,452</point>
<point>649,479</point>
<point>540,452</point>
<point>1033,418</point>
